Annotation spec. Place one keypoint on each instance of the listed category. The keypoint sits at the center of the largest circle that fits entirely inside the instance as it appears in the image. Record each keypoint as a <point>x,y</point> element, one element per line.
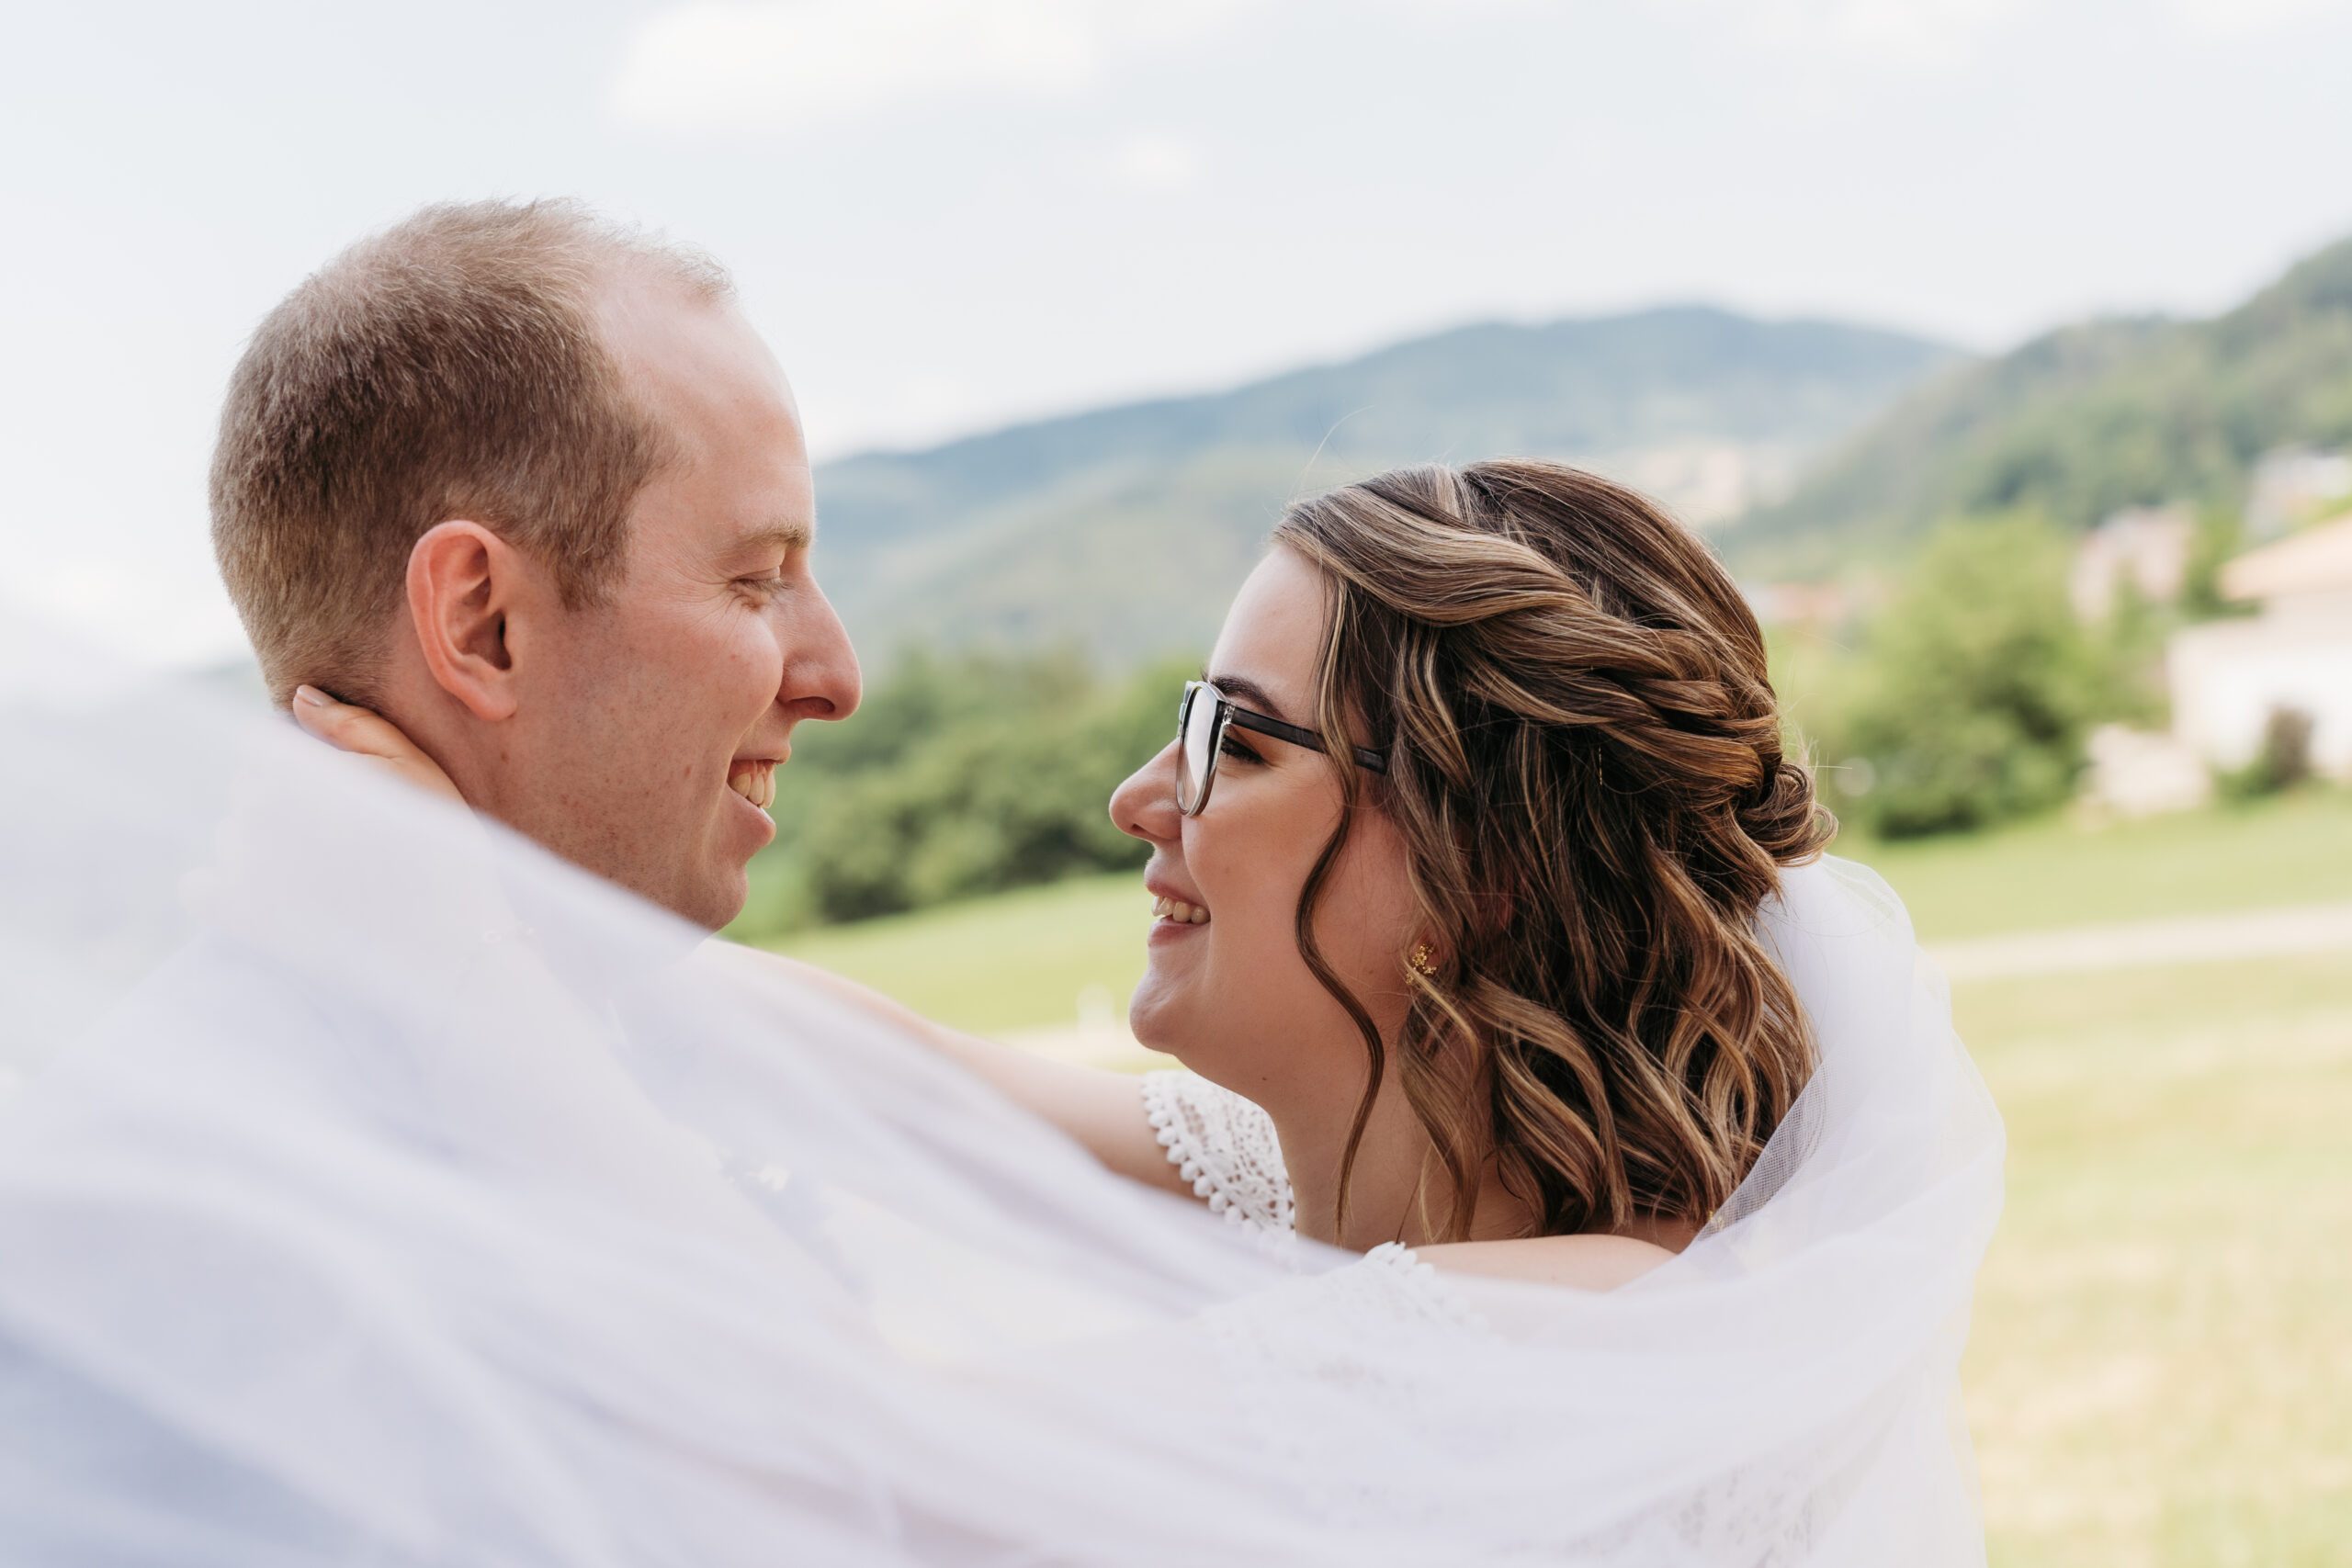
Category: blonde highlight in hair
<point>1585,766</point>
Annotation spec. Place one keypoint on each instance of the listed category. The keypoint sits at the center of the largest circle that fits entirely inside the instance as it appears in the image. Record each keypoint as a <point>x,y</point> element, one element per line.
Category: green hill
<point>2082,421</point>
<point>1124,529</point>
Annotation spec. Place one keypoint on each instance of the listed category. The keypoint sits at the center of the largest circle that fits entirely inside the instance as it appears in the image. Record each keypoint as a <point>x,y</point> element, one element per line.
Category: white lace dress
<point>1334,1332</point>
<point>1225,1146</point>
<point>1315,1362</point>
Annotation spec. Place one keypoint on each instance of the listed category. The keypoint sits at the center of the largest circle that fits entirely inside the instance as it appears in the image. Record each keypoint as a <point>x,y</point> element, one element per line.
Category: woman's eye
<point>1238,752</point>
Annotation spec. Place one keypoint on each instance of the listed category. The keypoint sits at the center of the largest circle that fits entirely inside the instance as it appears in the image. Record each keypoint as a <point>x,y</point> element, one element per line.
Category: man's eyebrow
<point>1248,694</point>
<point>787,536</point>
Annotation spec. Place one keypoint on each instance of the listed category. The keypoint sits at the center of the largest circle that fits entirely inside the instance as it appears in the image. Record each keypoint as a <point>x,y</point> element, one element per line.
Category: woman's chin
<point>1153,1019</point>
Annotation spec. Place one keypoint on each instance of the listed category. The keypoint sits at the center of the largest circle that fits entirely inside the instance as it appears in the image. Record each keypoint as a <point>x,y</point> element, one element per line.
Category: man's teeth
<point>755,782</point>
<point>1176,909</point>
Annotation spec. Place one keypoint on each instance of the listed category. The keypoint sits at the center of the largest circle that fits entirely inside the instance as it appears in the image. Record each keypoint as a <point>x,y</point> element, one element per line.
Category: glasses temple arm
<point>1244,719</point>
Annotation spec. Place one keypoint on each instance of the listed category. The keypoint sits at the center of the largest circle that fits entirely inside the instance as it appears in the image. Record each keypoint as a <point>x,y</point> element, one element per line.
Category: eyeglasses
<point>1201,719</point>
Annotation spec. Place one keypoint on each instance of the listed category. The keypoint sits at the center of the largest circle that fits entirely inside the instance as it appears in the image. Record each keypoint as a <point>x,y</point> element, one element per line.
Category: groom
<point>530,486</point>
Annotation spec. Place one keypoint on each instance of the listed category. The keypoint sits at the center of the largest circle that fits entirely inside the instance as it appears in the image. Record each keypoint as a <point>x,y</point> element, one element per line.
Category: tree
<point>2221,533</point>
<point>959,777</point>
<point>1981,684</point>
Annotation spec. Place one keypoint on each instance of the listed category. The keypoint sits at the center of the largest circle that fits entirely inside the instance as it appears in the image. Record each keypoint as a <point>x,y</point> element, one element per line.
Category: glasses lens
<point>1194,731</point>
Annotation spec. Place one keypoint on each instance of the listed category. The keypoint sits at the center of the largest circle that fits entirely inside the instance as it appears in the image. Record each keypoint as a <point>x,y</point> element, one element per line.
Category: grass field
<point>2160,1367</point>
<point>1023,961</point>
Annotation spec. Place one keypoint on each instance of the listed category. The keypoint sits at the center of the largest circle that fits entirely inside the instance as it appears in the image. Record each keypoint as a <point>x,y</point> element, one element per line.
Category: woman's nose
<point>1145,806</point>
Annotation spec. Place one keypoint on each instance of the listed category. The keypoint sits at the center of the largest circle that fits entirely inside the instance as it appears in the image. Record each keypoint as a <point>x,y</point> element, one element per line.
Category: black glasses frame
<point>1230,715</point>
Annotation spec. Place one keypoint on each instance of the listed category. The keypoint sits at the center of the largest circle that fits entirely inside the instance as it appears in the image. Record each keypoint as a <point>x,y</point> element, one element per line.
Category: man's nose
<point>820,674</point>
<point>1145,806</point>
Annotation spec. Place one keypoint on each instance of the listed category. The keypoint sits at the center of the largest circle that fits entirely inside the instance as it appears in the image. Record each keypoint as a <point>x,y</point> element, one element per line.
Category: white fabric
<point>1227,1147</point>
<point>1224,1145</point>
<point>383,1191</point>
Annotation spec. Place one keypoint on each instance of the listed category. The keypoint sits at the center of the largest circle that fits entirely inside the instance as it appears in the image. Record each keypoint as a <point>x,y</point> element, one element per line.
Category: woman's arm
<point>1101,1110</point>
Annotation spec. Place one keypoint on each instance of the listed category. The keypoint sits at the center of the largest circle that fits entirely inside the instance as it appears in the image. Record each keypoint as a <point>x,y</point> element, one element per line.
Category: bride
<point>1599,1179</point>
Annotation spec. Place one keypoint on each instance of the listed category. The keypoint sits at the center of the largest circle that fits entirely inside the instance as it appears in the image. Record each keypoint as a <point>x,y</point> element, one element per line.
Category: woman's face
<point>1231,996</point>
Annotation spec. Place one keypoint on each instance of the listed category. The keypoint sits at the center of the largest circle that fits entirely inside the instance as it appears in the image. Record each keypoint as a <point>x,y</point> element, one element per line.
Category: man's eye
<point>765,586</point>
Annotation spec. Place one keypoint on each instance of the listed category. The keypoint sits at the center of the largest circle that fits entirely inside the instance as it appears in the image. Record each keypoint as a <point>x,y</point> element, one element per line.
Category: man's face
<point>651,724</point>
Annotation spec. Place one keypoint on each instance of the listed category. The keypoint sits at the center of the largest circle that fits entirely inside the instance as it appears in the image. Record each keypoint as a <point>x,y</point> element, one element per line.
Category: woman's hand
<point>364,733</point>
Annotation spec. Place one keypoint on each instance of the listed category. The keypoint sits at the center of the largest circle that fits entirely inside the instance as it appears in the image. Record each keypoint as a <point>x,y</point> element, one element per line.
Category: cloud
<point>2225,17</point>
<point>1921,35</point>
<point>776,64</point>
<point>1156,162</point>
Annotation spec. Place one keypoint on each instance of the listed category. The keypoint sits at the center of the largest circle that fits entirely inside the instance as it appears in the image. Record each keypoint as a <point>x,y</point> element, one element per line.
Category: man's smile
<point>753,778</point>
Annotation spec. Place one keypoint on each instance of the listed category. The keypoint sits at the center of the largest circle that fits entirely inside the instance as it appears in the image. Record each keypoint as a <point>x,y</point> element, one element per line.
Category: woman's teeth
<point>1176,909</point>
<point>755,782</point>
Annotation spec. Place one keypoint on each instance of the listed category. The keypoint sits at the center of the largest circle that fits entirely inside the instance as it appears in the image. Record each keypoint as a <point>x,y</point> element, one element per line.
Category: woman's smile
<point>1172,915</point>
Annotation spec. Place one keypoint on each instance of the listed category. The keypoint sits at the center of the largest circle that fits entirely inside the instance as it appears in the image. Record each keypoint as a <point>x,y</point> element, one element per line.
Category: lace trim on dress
<point>1224,1145</point>
<point>1414,1287</point>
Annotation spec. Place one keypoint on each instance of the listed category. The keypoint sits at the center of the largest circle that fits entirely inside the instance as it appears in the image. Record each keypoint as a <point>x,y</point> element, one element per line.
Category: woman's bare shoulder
<point>1580,1262</point>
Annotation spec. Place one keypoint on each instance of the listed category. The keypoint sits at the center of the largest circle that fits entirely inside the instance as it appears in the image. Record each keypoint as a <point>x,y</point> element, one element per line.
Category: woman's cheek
<point>1246,885</point>
<point>1371,913</point>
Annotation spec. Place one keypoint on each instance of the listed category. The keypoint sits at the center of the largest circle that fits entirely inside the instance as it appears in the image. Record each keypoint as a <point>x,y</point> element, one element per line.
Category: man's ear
<point>463,581</point>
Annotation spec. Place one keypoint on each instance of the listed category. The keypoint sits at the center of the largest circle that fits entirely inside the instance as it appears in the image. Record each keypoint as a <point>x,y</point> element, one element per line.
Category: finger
<point>349,728</point>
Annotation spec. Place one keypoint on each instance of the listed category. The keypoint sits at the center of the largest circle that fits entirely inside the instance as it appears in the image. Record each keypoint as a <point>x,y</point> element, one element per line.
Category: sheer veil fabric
<point>379,1189</point>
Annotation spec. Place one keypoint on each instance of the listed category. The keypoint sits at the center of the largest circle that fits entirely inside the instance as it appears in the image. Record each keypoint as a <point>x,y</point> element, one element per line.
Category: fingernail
<point>309,696</point>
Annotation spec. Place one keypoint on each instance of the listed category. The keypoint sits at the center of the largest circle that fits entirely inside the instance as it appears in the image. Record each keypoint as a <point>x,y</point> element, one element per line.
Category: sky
<point>950,217</point>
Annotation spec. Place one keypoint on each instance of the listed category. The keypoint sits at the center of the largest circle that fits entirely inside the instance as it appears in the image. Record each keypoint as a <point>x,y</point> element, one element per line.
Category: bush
<point>2282,762</point>
<point>1981,685</point>
<point>2220,536</point>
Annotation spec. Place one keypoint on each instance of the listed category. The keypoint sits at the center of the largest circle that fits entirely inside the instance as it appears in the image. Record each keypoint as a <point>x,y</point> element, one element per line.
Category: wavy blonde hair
<point>1585,765</point>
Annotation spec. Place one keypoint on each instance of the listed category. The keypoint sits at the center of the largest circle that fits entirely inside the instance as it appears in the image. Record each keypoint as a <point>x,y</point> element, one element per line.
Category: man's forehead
<point>695,362</point>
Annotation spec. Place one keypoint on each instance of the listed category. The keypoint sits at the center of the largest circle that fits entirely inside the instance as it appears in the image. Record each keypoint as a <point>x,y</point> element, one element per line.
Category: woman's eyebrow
<point>1250,694</point>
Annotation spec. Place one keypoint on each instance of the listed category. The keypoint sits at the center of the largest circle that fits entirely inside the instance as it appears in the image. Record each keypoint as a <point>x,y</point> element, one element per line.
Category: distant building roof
<point>2293,484</point>
<point>2317,560</point>
<point>1801,604</point>
<point>2147,546</point>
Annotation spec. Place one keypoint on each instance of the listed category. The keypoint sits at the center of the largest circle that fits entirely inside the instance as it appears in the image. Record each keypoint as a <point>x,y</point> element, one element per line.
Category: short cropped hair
<point>448,366</point>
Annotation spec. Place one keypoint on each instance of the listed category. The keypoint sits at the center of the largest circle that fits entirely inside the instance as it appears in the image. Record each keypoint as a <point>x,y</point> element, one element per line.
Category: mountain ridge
<point>2082,421</point>
<point>1050,530</point>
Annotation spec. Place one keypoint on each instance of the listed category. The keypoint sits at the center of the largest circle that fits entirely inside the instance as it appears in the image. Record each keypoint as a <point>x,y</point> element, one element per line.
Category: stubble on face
<point>643,704</point>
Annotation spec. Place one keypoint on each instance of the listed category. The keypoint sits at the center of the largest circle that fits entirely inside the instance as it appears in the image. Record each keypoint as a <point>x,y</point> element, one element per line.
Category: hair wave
<point>1587,766</point>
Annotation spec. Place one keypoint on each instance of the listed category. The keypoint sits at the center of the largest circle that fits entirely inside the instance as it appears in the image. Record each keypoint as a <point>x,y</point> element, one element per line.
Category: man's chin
<point>719,903</point>
<point>710,903</point>
<point>733,893</point>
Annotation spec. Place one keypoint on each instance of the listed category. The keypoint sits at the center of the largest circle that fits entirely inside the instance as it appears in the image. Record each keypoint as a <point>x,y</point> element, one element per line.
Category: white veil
<point>379,1192</point>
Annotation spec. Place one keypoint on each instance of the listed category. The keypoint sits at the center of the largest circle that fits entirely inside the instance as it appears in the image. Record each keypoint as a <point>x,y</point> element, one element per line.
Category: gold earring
<point>1421,961</point>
